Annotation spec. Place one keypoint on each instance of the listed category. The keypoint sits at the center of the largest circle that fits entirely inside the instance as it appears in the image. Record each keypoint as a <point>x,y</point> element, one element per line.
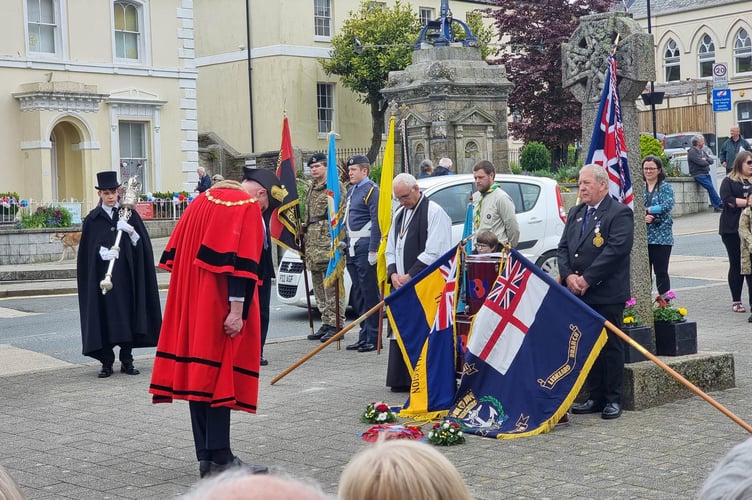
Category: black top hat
<point>317,158</point>
<point>107,180</point>
<point>270,181</point>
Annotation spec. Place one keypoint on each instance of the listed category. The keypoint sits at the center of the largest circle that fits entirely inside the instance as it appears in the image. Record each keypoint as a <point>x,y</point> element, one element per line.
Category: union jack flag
<point>508,285</point>
<point>607,145</point>
<point>445,313</point>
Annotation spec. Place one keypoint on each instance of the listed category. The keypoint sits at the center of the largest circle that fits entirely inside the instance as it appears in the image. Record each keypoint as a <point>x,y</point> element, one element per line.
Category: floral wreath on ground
<point>392,431</point>
<point>378,413</point>
<point>446,434</point>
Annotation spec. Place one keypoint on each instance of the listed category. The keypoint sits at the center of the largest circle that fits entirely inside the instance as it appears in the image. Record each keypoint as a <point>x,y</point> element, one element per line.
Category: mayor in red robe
<point>209,347</point>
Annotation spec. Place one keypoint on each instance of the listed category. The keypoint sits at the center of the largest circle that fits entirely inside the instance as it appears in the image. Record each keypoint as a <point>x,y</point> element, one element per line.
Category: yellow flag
<point>385,204</point>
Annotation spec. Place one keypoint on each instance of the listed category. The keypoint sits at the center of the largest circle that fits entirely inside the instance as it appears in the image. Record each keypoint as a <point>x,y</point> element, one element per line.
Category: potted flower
<point>674,335</point>
<point>638,332</point>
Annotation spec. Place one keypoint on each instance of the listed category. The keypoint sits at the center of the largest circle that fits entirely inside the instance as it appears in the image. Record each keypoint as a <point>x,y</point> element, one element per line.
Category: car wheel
<point>549,264</point>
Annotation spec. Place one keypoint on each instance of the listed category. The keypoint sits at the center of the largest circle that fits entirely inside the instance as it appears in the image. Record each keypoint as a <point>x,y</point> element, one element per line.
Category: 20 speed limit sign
<point>720,75</point>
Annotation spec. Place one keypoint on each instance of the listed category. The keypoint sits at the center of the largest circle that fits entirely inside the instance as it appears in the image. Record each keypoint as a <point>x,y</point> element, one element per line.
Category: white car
<point>540,214</point>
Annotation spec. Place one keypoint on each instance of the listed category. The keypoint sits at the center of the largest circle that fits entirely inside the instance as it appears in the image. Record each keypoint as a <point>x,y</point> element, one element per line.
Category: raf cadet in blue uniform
<point>363,237</point>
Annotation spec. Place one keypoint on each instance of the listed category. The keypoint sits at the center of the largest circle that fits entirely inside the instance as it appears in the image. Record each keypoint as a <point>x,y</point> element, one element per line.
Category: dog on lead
<point>69,241</point>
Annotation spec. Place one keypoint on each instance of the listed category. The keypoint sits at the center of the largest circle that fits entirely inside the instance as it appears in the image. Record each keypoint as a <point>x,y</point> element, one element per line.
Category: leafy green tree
<point>652,146</point>
<point>366,71</point>
<point>482,33</point>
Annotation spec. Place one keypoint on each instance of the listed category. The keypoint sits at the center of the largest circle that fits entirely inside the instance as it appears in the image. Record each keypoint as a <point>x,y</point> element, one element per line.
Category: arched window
<point>671,62</point>
<point>420,153</point>
<point>472,155</point>
<point>706,56</point>
<point>127,31</point>
<point>742,52</point>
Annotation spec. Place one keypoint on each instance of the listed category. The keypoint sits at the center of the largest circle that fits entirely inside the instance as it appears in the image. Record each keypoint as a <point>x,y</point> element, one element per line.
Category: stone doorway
<point>67,162</point>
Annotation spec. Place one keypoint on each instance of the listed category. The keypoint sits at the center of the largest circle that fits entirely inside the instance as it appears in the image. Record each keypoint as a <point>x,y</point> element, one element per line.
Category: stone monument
<point>453,102</point>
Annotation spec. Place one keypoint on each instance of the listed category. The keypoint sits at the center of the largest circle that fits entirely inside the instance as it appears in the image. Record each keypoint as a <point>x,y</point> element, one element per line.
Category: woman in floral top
<point>659,200</point>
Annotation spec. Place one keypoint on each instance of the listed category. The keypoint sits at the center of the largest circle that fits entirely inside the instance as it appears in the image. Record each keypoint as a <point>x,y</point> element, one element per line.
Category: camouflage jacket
<point>317,238</point>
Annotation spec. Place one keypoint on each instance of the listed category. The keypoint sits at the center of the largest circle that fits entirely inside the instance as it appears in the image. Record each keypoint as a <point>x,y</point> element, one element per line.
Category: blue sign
<point>721,100</point>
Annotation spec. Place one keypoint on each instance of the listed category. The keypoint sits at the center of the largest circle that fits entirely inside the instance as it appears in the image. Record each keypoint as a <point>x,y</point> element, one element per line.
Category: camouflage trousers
<point>326,298</point>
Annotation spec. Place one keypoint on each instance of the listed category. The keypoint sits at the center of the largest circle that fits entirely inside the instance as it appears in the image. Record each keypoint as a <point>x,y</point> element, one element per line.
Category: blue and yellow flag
<point>422,316</point>
<point>334,214</point>
<point>530,348</point>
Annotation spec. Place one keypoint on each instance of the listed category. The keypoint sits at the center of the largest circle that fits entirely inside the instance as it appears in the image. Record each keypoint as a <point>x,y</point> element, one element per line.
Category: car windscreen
<point>454,200</point>
<point>678,141</point>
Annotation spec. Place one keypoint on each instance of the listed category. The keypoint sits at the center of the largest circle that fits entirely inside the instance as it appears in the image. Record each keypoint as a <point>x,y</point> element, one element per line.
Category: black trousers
<point>265,298</point>
<point>107,355</point>
<point>658,257</point>
<point>732,242</point>
<point>211,429</point>
<point>606,378</point>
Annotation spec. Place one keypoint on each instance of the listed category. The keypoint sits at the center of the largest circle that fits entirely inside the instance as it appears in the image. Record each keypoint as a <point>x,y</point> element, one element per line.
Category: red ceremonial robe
<point>220,234</point>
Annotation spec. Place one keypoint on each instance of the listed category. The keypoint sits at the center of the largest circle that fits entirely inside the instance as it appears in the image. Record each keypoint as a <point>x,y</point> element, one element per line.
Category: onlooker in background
<point>318,243</point>
<point>426,168</point>
<point>444,168</point>
<point>130,314</point>
<point>217,178</point>
<point>487,242</point>
<point>699,167</point>
<point>731,148</point>
<point>399,469</point>
<point>732,477</point>
<point>659,201</point>
<point>493,209</point>
<point>237,484</point>
<point>204,181</point>
<point>9,489</point>
<point>735,191</point>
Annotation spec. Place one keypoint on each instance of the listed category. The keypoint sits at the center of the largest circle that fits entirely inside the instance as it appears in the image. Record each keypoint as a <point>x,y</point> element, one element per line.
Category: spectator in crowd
<point>732,477</point>
<point>493,209</point>
<point>401,469</point>
<point>735,192</point>
<point>731,148</point>
<point>699,167</point>
<point>426,168</point>
<point>659,201</point>
<point>487,242</point>
<point>237,484</point>
<point>204,181</point>
<point>217,178</point>
<point>444,168</point>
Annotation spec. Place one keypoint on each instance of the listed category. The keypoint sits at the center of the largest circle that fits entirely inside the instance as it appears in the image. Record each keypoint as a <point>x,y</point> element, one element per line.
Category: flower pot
<point>675,339</point>
<point>643,335</point>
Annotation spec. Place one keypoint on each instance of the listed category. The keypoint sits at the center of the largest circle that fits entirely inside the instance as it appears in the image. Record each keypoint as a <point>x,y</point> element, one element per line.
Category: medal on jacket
<point>598,239</point>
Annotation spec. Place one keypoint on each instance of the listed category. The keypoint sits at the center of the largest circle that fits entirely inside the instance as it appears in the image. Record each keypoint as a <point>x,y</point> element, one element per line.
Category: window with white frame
<point>744,117</point>
<point>742,52</point>
<point>43,26</point>
<point>426,14</point>
<point>671,62</point>
<point>133,151</point>
<point>325,106</point>
<point>128,31</point>
<point>706,56</point>
<point>322,18</point>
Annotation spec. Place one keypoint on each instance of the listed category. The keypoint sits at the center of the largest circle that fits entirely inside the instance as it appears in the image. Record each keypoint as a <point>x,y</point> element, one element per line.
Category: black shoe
<point>320,333</point>
<point>401,388</point>
<point>589,406</point>
<point>356,346</point>
<point>611,410</point>
<point>328,335</point>
<point>716,210</point>
<point>128,368</point>
<point>208,468</point>
<point>367,347</point>
<point>263,362</point>
<point>105,372</point>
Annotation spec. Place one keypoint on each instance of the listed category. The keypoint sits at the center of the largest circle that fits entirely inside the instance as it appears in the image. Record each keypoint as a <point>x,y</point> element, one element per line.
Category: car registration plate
<point>288,278</point>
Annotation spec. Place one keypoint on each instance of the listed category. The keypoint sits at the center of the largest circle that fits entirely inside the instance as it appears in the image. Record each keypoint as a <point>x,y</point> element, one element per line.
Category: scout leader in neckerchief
<point>593,257</point>
<point>493,209</point>
<point>421,233</point>
<point>363,238</point>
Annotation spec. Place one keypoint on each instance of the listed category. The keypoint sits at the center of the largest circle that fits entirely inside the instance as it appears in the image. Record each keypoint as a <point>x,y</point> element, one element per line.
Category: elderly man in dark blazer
<point>593,260</point>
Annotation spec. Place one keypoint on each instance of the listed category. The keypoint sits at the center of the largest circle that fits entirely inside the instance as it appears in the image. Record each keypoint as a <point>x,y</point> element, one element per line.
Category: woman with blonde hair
<point>400,469</point>
<point>9,489</point>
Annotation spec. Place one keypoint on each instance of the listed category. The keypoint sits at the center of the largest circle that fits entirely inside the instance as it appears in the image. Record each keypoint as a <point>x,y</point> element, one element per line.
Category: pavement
<point>66,434</point>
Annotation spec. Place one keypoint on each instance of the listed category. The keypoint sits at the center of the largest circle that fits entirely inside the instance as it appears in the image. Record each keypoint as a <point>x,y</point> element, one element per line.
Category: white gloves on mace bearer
<point>114,252</point>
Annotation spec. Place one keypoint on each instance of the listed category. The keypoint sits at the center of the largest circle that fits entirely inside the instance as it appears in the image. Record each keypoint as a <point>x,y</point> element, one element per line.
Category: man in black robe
<point>129,315</point>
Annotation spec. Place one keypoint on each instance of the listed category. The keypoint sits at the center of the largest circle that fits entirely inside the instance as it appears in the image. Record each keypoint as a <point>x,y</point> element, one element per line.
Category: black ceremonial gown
<point>131,311</point>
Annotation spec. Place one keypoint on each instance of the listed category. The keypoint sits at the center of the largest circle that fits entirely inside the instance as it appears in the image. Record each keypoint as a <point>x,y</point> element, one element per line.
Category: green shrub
<point>46,217</point>
<point>652,146</point>
<point>535,156</point>
<point>515,168</point>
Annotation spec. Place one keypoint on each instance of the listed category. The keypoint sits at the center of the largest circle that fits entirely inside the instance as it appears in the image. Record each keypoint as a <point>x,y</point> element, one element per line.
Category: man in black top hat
<point>129,315</point>
<point>264,185</point>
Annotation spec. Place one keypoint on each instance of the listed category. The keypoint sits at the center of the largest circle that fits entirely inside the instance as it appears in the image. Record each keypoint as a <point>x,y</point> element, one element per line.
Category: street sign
<point>720,75</point>
<point>721,100</point>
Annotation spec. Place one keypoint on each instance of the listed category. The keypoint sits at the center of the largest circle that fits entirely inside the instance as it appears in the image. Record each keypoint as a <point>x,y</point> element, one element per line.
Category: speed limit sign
<point>720,75</point>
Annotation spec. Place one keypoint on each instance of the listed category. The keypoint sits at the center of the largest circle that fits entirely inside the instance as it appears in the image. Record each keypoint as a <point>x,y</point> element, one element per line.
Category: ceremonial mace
<point>130,197</point>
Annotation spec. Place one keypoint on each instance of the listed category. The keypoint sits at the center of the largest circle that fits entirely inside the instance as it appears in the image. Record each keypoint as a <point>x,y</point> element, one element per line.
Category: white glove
<point>125,227</point>
<point>108,254</point>
<point>372,258</point>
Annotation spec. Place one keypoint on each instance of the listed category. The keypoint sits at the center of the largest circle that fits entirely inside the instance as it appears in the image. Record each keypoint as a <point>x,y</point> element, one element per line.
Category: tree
<point>366,72</point>
<point>533,32</point>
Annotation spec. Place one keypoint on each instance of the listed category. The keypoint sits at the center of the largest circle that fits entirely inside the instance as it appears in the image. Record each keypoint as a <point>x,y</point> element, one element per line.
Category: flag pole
<point>689,385</point>
<point>337,336</point>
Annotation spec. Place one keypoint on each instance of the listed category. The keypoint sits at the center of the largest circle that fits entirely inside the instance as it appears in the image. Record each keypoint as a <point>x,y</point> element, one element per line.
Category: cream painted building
<point>287,37</point>
<point>98,85</point>
<point>690,37</point>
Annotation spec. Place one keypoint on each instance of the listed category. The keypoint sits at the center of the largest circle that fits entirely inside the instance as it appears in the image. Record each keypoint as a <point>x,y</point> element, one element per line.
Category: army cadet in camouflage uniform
<point>317,242</point>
